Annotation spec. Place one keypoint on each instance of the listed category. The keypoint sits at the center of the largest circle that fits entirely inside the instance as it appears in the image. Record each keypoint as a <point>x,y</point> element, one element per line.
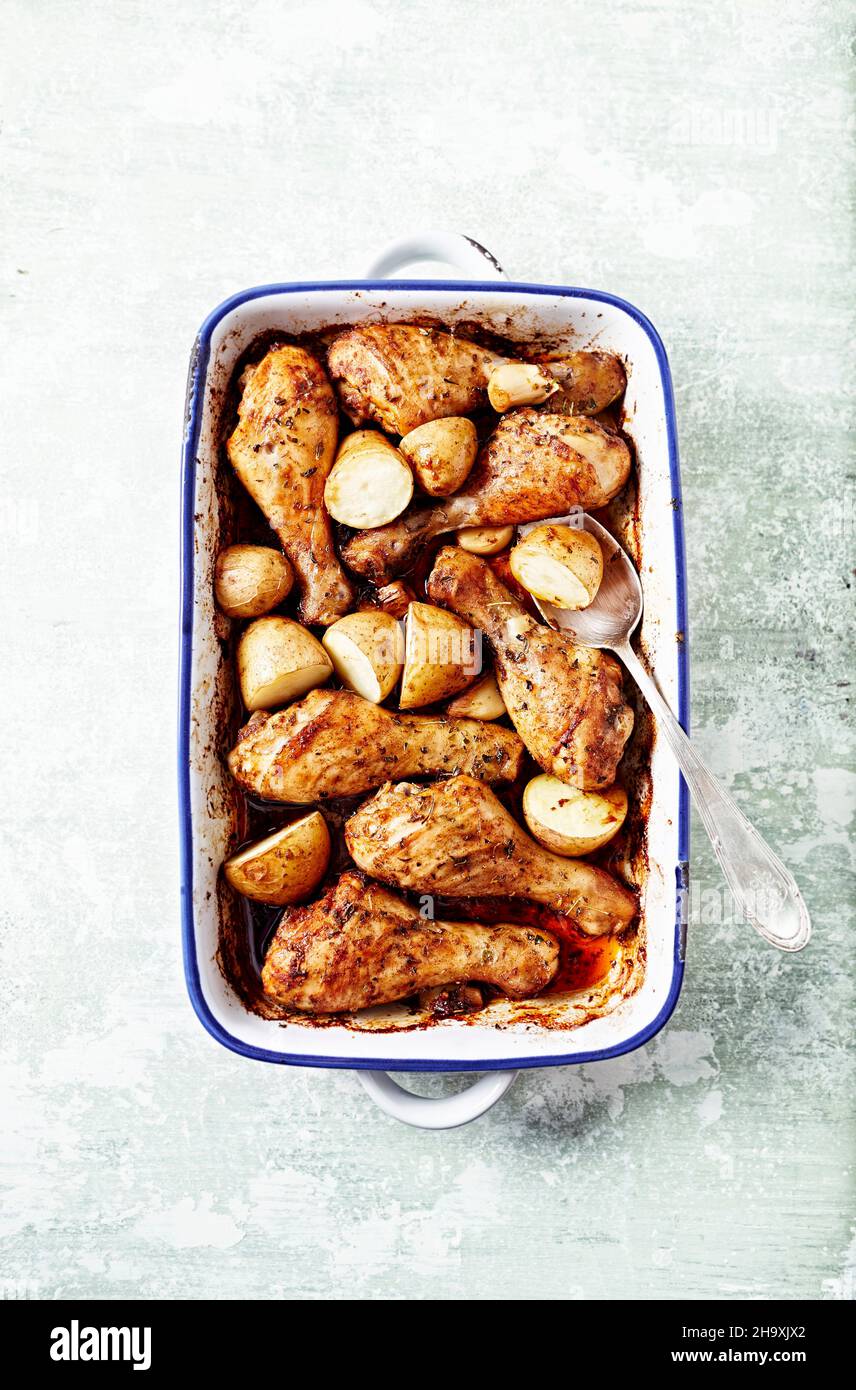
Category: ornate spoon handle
<point>764,890</point>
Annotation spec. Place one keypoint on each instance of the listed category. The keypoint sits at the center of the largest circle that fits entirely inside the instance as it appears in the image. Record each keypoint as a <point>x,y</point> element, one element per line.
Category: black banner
<point>91,1339</point>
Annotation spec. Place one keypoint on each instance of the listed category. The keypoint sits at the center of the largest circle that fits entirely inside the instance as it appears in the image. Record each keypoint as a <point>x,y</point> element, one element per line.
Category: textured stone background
<point>156,157</point>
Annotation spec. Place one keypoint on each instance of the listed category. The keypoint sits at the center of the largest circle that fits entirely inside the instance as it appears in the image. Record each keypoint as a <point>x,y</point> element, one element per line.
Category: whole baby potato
<point>285,867</point>
<point>441,454</point>
<point>250,580</point>
<point>559,564</point>
<point>278,661</point>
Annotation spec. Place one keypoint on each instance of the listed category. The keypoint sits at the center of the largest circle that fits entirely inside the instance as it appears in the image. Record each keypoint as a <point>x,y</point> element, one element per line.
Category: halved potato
<point>369,484</point>
<point>502,569</point>
<point>285,867</point>
<point>441,454</point>
<point>250,580</point>
<point>278,661</point>
<point>571,822</point>
<point>560,564</point>
<point>485,540</point>
<point>519,383</point>
<point>442,655</point>
<point>367,652</point>
<point>482,701</point>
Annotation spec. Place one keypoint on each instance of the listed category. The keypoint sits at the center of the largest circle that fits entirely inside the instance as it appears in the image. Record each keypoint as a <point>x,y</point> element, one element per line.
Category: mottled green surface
<point>693,158</point>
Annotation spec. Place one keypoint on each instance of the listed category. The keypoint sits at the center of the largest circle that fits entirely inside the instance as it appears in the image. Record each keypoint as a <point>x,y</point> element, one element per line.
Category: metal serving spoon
<point>763,888</point>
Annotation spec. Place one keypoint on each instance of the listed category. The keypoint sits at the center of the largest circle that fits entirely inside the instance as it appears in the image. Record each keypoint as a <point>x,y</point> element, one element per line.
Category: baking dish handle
<point>447,248</point>
<point>443,1112</point>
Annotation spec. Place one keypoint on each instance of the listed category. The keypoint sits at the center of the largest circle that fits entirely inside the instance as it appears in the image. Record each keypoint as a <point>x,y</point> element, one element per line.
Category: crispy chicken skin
<point>565,701</point>
<point>282,451</point>
<point>361,945</point>
<point>456,838</point>
<point>334,743</point>
<point>399,376</point>
<point>534,465</point>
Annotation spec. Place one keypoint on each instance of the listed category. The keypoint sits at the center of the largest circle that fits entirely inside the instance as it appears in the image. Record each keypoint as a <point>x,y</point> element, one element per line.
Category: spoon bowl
<point>617,607</point>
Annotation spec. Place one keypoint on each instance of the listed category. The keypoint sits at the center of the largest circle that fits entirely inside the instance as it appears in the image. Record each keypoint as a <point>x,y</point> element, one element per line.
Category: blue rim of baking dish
<point>192,426</point>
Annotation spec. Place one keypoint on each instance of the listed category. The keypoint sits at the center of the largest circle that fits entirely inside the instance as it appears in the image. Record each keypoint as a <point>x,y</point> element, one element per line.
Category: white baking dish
<point>581,317</point>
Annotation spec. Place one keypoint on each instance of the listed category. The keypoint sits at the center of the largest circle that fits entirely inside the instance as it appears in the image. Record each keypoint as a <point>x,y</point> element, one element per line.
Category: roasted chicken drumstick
<point>282,451</point>
<point>455,838</point>
<point>334,743</point>
<point>361,945</point>
<point>533,466</point>
<point>399,376</point>
<point>565,701</point>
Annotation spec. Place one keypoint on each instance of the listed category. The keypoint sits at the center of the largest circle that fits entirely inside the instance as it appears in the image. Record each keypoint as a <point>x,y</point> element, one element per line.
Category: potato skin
<point>441,454</point>
<point>278,661</point>
<point>377,637</point>
<point>559,564</point>
<point>441,656</point>
<point>250,580</point>
<point>571,822</point>
<point>285,867</point>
